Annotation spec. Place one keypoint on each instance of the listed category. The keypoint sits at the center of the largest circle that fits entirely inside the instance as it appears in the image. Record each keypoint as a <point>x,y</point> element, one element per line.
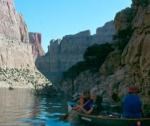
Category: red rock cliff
<point>35,39</point>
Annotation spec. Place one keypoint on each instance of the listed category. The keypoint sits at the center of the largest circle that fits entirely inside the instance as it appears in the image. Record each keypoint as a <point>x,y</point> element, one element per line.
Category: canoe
<point>112,121</point>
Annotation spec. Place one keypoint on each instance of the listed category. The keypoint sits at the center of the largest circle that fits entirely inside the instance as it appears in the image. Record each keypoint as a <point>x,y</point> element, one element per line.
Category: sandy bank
<point>16,85</point>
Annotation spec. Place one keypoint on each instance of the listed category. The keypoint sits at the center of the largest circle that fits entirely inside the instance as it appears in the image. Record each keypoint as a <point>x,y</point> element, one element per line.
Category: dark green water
<point>19,107</point>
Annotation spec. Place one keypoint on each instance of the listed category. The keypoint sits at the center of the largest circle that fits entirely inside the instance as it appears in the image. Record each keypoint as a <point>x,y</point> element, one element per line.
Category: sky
<point>57,18</point>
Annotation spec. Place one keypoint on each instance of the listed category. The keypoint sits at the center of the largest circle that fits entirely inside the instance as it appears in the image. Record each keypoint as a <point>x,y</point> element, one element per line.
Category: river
<point>19,107</point>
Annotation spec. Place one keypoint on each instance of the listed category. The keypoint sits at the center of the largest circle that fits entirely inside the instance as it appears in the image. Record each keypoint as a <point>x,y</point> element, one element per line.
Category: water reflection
<point>20,107</point>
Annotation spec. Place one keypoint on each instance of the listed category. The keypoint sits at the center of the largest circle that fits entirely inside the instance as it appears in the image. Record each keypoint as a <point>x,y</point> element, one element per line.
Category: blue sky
<point>56,18</point>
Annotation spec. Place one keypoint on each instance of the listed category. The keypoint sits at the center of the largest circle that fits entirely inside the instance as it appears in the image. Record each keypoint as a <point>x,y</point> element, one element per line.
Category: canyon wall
<point>17,67</point>
<point>64,53</point>
<point>68,51</point>
<point>12,24</point>
<point>123,67</point>
<point>137,53</point>
<point>15,50</point>
<point>35,40</point>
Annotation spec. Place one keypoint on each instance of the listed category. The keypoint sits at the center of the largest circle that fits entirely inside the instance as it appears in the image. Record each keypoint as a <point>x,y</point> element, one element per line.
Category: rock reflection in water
<point>19,107</point>
<point>14,104</point>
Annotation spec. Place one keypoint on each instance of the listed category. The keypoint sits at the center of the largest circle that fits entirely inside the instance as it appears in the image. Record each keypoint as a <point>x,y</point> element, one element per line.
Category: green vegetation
<point>144,3</point>
<point>94,57</point>
<point>123,36</point>
<point>75,70</point>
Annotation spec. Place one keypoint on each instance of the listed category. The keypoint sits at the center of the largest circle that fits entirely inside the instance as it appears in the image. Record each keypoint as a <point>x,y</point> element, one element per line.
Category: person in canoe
<point>97,106</point>
<point>132,105</point>
<point>85,103</point>
<point>90,103</point>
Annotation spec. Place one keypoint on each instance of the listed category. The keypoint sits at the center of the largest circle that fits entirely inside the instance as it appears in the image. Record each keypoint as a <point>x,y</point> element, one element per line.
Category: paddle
<point>66,116</point>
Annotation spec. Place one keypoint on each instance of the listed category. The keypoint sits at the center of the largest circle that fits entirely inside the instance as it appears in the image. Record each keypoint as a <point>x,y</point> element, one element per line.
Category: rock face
<point>123,68</point>
<point>17,66</point>
<point>68,51</point>
<point>104,34</point>
<point>42,63</point>
<point>14,41</point>
<point>15,54</point>
<point>35,40</point>
<point>137,53</point>
<point>41,59</point>
<point>12,24</point>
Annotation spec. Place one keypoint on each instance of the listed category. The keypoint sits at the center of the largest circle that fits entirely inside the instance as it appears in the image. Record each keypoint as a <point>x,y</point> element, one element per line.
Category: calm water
<point>19,107</point>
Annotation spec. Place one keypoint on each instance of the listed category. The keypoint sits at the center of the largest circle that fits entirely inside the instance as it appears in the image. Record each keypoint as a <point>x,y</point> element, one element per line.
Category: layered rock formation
<point>14,40</point>
<point>62,54</point>
<point>12,24</point>
<point>68,51</point>
<point>104,34</point>
<point>16,60</point>
<point>15,54</point>
<point>41,59</point>
<point>35,39</point>
<point>137,53</point>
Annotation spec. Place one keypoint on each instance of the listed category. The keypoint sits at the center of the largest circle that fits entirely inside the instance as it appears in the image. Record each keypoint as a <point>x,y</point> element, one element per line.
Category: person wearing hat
<point>132,105</point>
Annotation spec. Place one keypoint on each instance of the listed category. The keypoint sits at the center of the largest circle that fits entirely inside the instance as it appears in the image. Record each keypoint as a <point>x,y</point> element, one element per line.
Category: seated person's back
<point>132,105</point>
<point>97,105</point>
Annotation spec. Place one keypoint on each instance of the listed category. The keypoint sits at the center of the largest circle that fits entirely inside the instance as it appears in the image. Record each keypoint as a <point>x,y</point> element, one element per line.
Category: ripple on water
<point>21,108</point>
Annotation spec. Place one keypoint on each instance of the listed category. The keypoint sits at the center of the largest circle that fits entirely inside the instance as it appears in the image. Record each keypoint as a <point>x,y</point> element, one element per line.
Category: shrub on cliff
<point>93,59</point>
<point>96,54</point>
<point>144,3</point>
<point>127,14</point>
<point>124,20</point>
<point>122,38</point>
<point>75,70</point>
